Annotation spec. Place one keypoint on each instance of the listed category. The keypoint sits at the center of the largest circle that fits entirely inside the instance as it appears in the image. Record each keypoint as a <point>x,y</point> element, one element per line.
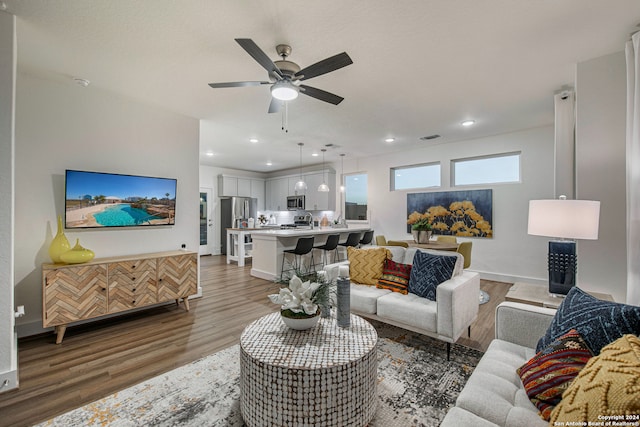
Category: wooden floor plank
<point>105,356</point>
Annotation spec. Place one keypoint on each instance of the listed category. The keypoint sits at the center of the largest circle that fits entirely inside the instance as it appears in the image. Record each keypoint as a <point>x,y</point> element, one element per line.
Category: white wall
<point>601,171</point>
<point>511,254</point>
<point>60,125</point>
<point>8,343</point>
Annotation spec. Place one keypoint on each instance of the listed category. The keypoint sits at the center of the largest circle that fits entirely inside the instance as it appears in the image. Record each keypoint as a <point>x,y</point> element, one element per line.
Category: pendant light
<point>323,188</point>
<point>342,173</point>
<point>300,185</point>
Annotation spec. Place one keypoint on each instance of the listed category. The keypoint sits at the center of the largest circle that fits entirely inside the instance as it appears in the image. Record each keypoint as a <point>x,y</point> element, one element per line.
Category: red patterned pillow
<point>395,277</point>
<point>550,372</point>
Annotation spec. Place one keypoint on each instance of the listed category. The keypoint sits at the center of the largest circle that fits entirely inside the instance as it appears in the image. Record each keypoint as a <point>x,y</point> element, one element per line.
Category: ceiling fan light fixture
<point>284,90</point>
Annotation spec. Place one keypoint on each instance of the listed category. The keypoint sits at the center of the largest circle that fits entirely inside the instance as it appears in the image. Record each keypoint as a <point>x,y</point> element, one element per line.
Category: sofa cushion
<point>429,270</point>
<point>364,298</point>
<point>365,265</point>
<point>409,309</point>
<point>411,252</point>
<point>548,374</point>
<point>395,277</point>
<point>599,322</point>
<point>608,385</point>
<point>494,391</point>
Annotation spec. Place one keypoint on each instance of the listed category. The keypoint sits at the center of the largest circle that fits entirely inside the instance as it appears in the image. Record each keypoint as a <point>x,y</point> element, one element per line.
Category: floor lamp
<point>564,220</point>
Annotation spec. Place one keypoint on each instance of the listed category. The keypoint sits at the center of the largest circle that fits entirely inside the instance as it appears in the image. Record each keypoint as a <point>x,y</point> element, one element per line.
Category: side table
<point>530,293</point>
<point>324,376</point>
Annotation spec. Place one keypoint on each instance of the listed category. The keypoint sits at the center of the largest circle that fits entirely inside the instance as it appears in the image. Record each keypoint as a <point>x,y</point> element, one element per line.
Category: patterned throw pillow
<point>599,322</point>
<point>365,265</point>
<point>428,272</point>
<point>395,277</point>
<point>607,387</point>
<point>548,374</point>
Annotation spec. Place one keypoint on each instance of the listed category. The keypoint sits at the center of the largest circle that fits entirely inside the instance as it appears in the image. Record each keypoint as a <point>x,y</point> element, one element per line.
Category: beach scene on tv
<point>108,200</point>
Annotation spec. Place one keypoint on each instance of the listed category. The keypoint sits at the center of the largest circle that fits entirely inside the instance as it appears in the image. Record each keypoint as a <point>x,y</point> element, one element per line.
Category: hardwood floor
<point>102,357</point>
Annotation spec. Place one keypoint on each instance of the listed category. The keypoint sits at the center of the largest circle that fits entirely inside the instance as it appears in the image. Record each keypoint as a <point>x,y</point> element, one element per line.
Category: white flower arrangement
<point>303,299</point>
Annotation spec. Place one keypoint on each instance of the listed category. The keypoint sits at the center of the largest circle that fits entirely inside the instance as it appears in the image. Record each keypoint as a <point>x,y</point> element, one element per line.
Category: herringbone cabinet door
<point>177,277</point>
<point>127,291</point>
<point>76,293</point>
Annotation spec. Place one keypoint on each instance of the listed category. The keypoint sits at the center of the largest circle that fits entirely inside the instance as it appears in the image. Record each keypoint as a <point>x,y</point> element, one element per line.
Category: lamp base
<point>563,263</point>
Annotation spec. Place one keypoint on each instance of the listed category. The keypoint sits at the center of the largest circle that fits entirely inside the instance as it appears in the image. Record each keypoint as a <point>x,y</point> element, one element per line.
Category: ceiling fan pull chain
<point>285,117</point>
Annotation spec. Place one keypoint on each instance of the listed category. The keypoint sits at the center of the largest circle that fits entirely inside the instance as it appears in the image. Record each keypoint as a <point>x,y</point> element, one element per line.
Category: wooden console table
<point>530,293</point>
<point>73,292</point>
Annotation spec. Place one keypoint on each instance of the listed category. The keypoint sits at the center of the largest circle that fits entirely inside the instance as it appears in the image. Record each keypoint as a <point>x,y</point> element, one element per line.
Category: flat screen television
<point>106,200</point>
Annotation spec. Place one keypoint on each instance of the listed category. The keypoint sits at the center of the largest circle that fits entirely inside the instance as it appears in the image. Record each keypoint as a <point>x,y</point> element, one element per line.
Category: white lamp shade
<point>300,186</point>
<point>567,219</point>
<point>284,91</point>
<point>323,188</point>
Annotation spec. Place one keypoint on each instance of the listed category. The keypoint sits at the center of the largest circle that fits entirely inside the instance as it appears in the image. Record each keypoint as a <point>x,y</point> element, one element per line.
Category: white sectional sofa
<point>455,308</point>
<point>494,394</point>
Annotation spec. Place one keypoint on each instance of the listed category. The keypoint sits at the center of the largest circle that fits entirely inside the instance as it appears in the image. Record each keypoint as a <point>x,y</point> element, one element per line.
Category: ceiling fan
<point>285,76</point>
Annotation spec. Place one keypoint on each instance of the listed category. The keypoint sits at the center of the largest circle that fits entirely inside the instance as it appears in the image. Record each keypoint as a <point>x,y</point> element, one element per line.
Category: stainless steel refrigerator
<point>233,211</point>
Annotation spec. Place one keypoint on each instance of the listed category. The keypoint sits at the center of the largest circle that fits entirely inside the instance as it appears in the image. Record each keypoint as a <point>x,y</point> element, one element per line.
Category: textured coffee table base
<point>323,377</point>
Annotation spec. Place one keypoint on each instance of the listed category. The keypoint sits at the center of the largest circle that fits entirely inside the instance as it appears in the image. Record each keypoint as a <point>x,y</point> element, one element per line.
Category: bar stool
<point>366,238</point>
<point>330,245</point>
<point>353,240</point>
<point>304,245</point>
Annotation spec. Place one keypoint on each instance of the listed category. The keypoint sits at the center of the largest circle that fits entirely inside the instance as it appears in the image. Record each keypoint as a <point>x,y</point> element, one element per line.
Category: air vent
<point>428,137</point>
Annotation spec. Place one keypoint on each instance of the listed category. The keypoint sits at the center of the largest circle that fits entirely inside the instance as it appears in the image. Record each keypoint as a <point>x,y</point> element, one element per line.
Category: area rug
<point>416,387</point>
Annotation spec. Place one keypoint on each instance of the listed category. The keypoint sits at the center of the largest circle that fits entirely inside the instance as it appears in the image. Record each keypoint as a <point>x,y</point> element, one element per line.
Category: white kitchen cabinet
<point>227,186</point>
<point>277,190</point>
<point>244,187</point>
<point>258,192</point>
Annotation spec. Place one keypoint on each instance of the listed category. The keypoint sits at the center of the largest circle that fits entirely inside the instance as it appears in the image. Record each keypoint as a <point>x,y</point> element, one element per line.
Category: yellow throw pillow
<point>607,388</point>
<point>365,265</point>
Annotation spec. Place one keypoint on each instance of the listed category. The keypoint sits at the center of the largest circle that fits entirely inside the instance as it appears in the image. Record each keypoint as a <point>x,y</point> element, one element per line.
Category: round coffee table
<point>324,376</point>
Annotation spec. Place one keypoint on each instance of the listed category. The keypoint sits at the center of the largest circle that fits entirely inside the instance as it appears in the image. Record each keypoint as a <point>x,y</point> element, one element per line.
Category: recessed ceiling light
<point>389,140</point>
<point>269,164</point>
<point>253,140</point>
<point>209,153</point>
<point>315,155</point>
<point>467,123</point>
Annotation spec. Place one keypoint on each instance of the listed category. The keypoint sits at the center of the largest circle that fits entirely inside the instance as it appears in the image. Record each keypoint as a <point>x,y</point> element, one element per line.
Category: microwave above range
<point>295,203</point>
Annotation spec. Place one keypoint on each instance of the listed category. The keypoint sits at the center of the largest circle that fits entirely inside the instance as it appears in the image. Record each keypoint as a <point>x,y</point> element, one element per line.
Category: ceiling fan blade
<point>261,57</point>
<point>323,67</point>
<point>321,95</point>
<point>237,84</point>
<point>275,105</point>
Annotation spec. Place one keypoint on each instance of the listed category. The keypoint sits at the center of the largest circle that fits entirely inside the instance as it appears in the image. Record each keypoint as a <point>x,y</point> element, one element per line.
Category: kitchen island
<point>269,244</point>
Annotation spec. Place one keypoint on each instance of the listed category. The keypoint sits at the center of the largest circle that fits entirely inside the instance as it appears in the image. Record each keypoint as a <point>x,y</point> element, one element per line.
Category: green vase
<point>59,244</point>
<point>77,255</point>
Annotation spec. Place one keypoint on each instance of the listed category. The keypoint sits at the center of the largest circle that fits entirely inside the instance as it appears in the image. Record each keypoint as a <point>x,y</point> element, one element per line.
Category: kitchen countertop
<point>308,231</point>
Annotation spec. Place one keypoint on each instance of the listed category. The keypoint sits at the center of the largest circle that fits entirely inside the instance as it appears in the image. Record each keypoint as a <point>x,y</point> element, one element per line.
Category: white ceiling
<point>420,67</point>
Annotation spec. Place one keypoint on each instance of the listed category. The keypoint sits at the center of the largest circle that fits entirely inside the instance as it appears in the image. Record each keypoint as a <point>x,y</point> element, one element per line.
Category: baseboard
<point>9,379</point>
<point>262,274</point>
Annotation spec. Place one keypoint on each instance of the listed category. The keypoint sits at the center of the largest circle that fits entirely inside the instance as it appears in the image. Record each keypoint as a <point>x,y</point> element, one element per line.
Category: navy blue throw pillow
<point>599,322</point>
<point>428,272</point>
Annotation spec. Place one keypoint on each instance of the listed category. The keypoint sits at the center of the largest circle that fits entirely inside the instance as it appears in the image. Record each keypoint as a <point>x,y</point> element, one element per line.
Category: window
<point>355,196</point>
<point>487,170</point>
<point>419,176</point>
